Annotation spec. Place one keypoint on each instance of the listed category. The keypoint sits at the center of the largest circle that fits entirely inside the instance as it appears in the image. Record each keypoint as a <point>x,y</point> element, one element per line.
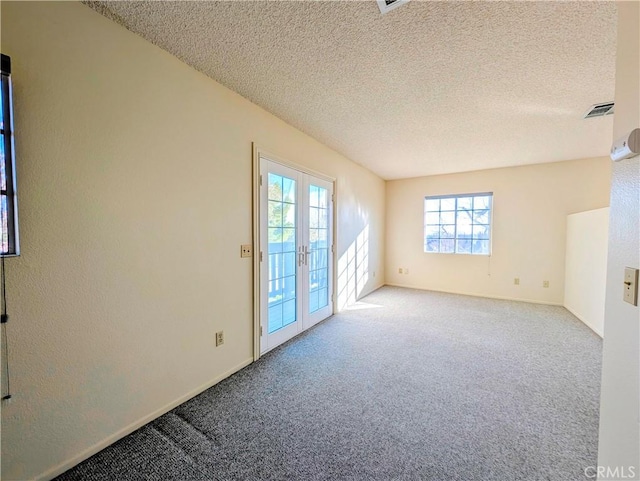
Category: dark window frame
<point>9,194</point>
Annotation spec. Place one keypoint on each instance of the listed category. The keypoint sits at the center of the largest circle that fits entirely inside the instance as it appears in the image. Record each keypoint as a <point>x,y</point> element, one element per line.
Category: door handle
<point>303,256</point>
<point>306,255</point>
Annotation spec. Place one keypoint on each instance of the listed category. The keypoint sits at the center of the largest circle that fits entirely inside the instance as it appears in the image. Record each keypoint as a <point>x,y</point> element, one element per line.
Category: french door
<point>296,258</point>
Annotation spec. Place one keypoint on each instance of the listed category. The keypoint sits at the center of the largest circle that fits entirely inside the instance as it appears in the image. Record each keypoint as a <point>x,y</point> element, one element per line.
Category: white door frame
<point>259,153</point>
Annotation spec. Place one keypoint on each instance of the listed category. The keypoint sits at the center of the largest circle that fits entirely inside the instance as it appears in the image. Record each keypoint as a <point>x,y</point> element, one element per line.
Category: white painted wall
<point>619,437</point>
<point>529,227</point>
<point>134,177</point>
<point>586,266</point>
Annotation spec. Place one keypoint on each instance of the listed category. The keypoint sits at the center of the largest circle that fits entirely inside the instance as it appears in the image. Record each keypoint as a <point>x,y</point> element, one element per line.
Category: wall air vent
<point>599,110</point>
<point>388,5</point>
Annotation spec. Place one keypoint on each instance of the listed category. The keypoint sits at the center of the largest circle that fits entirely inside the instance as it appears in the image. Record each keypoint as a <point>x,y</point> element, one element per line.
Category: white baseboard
<point>597,331</point>
<point>61,468</point>
<point>473,294</point>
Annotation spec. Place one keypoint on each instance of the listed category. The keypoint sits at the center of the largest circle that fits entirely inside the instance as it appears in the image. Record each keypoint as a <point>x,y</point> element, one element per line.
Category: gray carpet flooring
<point>412,385</point>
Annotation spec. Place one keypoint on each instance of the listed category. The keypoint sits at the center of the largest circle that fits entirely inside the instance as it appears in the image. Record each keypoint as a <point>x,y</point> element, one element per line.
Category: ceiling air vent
<point>599,110</point>
<point>388,5</point>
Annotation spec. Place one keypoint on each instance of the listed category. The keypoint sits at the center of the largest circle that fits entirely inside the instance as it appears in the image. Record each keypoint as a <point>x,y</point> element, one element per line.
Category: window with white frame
<point>458,224</point>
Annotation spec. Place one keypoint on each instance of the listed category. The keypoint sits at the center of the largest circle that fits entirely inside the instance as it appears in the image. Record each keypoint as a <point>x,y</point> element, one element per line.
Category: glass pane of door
<point>318,248</point>
<point>281,212</point>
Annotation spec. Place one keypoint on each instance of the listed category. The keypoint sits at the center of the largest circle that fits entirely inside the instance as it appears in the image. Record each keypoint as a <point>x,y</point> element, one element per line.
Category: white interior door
<point>296,265</point>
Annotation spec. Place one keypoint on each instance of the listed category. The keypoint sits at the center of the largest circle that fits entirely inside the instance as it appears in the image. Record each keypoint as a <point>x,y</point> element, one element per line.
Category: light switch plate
<point>630,287</point>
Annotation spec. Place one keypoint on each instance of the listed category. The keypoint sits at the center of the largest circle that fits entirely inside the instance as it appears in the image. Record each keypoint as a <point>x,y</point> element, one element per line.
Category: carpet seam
<point>192,461</point>
<point>216,443</point>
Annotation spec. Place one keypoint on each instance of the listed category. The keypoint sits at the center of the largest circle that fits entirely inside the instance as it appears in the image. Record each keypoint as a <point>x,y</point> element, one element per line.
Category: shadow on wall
<point>353,270</point>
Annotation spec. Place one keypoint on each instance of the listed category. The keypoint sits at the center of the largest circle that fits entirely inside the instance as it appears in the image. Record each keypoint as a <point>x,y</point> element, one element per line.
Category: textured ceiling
<point>429,88</point>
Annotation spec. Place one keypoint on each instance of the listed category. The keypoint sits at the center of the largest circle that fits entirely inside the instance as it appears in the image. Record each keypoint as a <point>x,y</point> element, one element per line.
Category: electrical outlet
<point>406,270</point>
<point>516,281</point>
<point>545,284</point>
<point>400,270</point>
<point>246,250</point>
<point>219,338</point>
